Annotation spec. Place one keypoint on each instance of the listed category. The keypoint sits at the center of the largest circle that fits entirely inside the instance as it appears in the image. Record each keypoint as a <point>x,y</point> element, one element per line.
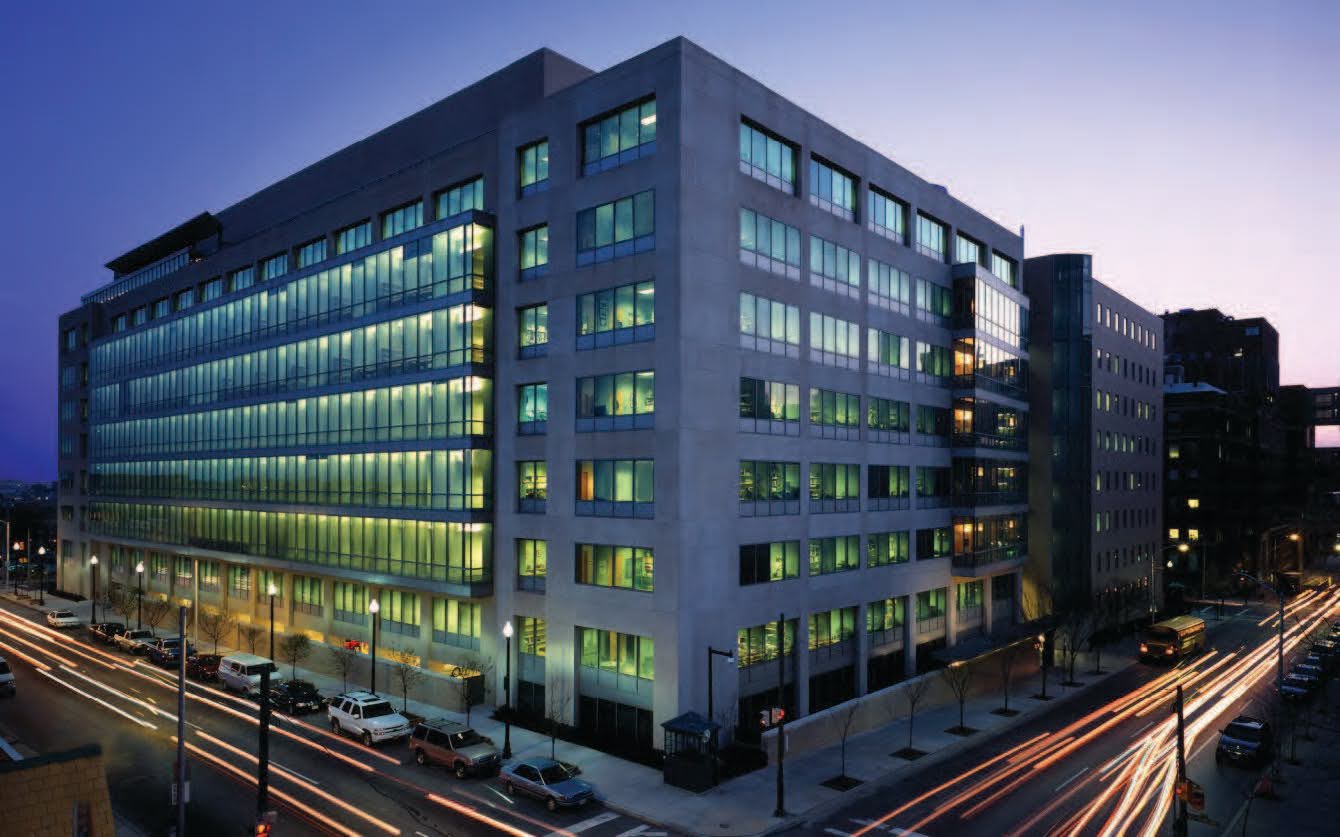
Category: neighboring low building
<point>56,794</point>
<point>1097,437</point>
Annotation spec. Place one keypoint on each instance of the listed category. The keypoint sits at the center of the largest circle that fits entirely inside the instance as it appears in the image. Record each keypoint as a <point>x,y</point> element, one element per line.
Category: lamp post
<point>17,545</point>
<point>42,588</point>
<point>1181,547</point>
<point>93,563</point>
<point>139,595</point>
<point>374,608</point>
<point>712,743</point>
<point>273,591</point>
<point>507,693</point>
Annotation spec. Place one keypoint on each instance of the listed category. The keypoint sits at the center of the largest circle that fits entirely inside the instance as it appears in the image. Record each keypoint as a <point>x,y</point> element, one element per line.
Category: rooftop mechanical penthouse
<point>638,360</point>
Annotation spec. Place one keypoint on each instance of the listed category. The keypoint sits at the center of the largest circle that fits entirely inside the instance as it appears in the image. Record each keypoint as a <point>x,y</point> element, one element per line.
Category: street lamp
<point>18,546</point>
<point>273,591</point>
<point>93,562</point>
<point>730,658</point>
<point>507,693</point>
<point>139,595</point>
<point>42,588</point>
<point>374,608</point>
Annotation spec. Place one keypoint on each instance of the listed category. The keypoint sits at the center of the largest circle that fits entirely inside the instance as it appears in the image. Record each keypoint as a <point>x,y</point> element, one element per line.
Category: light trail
<point>481,817</point>
<point>302,783</point>
<point>304,810</point>
<point>129,717</point>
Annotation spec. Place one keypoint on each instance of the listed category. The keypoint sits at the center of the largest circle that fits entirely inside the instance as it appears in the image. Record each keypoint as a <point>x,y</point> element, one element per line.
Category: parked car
<point>547,781</point>
<point>367,716</point>
<point>1246,740</point>
<point>135,641</point>
<point>1313,670</point>
<point>1326,648</point>
<point>166,651</point>
<point>105,632</point>
<point>242,672</point>
<point>454,746</point>
<point>62,619</point>
<point>1326,664</point>
<point>1298,687</point>
<point>7,686</point>
<point>296,697</point>
<point>203,667</point>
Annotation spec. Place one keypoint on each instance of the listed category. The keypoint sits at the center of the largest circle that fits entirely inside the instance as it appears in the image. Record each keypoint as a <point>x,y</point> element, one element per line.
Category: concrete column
<point>951,614</point>
<point>909,635</point>
<point>862,650</point>
<point>800,664</point>
<point>987,625</point>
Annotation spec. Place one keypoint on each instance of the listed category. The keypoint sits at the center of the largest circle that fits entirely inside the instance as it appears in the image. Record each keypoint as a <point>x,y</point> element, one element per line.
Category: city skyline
<point>1039,171</point>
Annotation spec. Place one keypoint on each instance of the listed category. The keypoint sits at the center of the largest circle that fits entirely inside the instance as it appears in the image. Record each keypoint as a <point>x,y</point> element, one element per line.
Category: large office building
<point>642,361</point>
<point>1097,437</point>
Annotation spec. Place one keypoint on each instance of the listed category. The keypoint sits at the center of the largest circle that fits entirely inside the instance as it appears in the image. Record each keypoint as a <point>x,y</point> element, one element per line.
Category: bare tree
<point>1074,631</point>
<point>215,625</point>
<point>155,611</point>
<point>248,636</point>
<point>293,649</point>
<point>958,677</point>
<point>465,673</point>
<point>558,702</point>
<point>844,720</point>
<point>406,673</point>
<point>122,601</point>
<point>913,691</point>
<point>343,659</point>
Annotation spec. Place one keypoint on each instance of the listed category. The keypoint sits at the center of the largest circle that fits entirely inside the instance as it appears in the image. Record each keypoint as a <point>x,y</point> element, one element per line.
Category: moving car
<point>62,619</point>
<point>1246,740</point>
<point>296,697</point>
<point>367,716</point>
<point>454,746</point>
<point>203,667</point>
<point>7,686</point>
<point>166,651</point>
<point>105,632</point>
<point>134,642</point>
<point>547,781</point>
<point>242,672</point>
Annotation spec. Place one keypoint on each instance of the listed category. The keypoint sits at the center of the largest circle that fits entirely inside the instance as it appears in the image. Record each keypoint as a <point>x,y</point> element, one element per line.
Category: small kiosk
<point>688,751</point>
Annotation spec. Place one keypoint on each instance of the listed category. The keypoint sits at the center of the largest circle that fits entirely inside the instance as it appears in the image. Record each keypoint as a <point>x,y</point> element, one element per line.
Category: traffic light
<point>768,718</point>
<point>265,824</point>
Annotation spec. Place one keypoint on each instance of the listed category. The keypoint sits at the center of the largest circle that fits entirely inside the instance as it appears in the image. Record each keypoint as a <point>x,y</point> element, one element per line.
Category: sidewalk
<point>744,805</point>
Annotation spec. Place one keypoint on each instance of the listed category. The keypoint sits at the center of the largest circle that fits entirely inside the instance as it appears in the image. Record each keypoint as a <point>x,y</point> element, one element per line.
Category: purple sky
<point>1191,147</point>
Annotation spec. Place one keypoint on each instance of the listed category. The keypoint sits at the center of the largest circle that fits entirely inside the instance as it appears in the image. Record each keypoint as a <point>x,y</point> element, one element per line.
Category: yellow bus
<point>1172,639</point>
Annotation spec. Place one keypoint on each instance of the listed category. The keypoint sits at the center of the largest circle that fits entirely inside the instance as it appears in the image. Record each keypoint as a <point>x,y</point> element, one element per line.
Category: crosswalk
<point>640,830</point>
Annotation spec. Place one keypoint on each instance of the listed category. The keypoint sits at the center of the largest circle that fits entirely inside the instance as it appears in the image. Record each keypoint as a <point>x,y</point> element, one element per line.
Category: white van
<point>7,686</point>
<point>242,672</point>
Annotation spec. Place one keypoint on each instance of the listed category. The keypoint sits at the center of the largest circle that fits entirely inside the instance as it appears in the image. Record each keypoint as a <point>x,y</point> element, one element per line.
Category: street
<point>1104,763</point>
<point>71,693</point>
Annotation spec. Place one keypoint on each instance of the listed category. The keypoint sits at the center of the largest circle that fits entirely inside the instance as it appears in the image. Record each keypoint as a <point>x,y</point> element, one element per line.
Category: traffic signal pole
<point>182,784</point>
<point>1180,822</point>
<point>781,726</point>
<point>263,753</point>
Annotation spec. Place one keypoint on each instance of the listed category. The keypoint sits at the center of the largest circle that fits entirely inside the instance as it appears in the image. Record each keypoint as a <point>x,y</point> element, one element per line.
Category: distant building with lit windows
<point>637,360</point>
<point>1097,409</point>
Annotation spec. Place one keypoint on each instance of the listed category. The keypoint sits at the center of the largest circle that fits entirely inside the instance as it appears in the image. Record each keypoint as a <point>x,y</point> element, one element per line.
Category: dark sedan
<point>547,781</point>
<point>296,697</point>
<point>203,667</point>
<point>1246,740</point>
<point>105,632</point>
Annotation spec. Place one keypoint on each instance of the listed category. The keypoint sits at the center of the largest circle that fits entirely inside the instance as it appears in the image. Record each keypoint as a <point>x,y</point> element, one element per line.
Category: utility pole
<point>1179,821</point>
<point>263,752</point>
<point>183,785</point>
<point>781,724</point>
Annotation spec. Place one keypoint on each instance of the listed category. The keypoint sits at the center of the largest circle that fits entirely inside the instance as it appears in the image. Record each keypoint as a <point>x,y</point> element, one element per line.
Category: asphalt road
<point>1101,762</point>
<point>71,693</point>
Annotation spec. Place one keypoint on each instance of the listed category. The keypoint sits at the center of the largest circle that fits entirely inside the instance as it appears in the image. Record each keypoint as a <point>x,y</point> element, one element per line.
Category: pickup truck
<point>134,642</point>
<point>166,651</point>
<point>105,632</point>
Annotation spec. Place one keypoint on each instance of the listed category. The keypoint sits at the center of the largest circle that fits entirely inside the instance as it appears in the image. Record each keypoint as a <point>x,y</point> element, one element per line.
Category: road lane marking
<point>476,815</point>
<point>598,819</point>
<point>152,709</point>
<point>1143,728</point>
<point>641,831</point>
<point>832,831</point>
<point>504,796</point>
<point>54,679</point>
<point>290,770</point>
<point>1061,786</point>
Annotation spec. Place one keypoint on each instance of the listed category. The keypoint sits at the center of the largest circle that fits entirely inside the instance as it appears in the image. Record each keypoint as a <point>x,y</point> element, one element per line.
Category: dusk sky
<point>1192,148</point>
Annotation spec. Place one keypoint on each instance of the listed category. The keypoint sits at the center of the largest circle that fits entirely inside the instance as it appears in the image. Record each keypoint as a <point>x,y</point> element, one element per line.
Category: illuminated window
<point>1174,534</point>
<point>1193,534</point>
<point>534,167</point>
<point>1193,503</point>
<point>620,137</point>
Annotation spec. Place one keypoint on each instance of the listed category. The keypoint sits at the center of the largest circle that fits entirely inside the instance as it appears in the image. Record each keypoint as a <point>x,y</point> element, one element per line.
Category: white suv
<point>368,716</point>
